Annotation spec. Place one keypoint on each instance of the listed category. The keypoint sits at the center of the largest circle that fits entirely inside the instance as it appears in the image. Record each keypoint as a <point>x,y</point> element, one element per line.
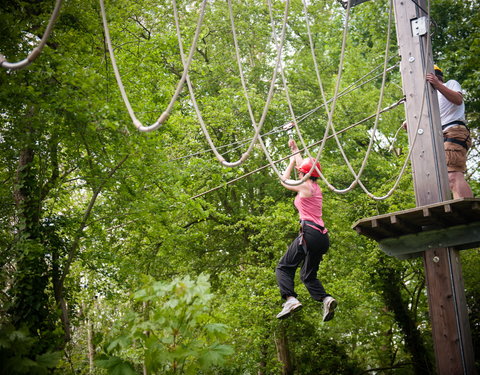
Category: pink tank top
<point>310,208</point>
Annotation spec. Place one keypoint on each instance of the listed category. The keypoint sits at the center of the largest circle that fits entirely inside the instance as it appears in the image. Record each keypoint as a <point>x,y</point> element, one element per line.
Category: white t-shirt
<point>448,111</point>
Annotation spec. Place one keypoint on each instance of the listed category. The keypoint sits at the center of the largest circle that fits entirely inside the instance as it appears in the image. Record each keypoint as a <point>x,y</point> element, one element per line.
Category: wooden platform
<point>406,234</point>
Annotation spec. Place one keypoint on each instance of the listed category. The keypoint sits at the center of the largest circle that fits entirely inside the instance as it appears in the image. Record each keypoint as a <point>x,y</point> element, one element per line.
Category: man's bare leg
<point>459,186</point>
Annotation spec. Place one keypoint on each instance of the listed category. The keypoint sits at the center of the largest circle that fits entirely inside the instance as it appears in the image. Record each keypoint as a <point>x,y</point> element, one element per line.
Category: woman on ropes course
<point>311,244</point>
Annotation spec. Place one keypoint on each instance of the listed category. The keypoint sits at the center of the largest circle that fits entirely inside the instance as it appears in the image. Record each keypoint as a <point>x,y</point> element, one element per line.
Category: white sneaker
<point>329,305</point>
<point>290,306</point>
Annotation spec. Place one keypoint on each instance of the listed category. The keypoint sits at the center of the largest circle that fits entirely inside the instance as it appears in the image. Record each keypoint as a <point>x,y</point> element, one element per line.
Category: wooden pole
<point>446,294</point>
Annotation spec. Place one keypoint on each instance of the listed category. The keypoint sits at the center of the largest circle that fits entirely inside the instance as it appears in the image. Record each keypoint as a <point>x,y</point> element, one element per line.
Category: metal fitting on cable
<point>288,125</point>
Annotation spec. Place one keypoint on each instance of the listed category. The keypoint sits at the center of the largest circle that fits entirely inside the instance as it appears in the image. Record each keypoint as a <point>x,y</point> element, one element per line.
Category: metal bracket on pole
<point>419,26</point>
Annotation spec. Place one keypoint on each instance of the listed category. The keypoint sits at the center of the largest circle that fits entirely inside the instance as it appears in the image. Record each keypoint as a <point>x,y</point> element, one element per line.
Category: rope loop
<point>186,66</point>
<point>38,49</point>
<point>257,127</point>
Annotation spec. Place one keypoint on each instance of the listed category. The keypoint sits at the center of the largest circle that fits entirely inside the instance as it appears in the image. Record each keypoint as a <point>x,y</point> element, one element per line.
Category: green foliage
<point>16,347</point>
<point>173,334</point>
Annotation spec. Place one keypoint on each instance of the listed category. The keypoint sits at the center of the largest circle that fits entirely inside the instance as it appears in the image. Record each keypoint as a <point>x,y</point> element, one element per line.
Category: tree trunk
<point>262,366</point>
<point>91,347</point>
<point>30,301</point>
<point>283,351</point>
<point>391,286</point>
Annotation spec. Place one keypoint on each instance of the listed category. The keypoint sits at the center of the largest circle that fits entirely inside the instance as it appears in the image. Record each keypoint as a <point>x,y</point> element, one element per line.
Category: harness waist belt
<point>456,122</point>
<point>312,224</point>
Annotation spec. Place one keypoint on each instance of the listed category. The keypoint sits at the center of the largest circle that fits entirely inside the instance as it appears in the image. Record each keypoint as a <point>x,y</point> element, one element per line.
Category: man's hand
<point>455,97</point>
<point>433,79</point>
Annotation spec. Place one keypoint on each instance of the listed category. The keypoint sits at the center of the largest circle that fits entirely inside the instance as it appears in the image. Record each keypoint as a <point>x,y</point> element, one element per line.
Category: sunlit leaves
<point>173,334</point>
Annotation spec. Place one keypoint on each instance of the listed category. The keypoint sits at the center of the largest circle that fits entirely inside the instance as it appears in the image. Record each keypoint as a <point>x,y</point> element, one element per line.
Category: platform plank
<point>442,215</point>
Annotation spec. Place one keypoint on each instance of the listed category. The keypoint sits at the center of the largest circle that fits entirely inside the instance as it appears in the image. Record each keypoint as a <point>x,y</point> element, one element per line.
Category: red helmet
<point>307,165</point>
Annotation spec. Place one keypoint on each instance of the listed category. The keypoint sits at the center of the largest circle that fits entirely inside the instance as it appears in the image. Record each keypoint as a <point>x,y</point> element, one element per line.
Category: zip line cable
<point>299,151</point>
<point>239,143</point>
<point>345,91</point>
<point>265,110</point>
<point>348,90</point>
<point>38,49</point>
<point>186,66</point>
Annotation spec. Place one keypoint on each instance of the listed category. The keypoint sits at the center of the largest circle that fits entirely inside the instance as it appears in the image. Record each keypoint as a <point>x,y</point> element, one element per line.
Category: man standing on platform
<point>456,134</point>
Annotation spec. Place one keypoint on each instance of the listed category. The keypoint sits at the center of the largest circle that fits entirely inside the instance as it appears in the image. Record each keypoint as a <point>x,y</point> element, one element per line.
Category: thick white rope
<point>266,107</point>
<point>358,175</point>
<point>38,49</point>
<point>424,95</point>
<point>279,65</point>
<point>290,182</point>
<point>180,84</point>
<point>389,108</point>
<point>382,90</point>
<point>330,113</point>
<point>330,116</point>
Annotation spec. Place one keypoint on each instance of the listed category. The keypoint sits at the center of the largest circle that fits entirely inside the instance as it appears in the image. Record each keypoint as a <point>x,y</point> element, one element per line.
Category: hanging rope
<point>375,126</point>
<point>265,110</point>
<point>180,84</point>
<point>330,113</point>
<point>389,108</point>
<point>424,96</point>
<point>358,175</point>
<point>38,49</point>
<point>352,87</point>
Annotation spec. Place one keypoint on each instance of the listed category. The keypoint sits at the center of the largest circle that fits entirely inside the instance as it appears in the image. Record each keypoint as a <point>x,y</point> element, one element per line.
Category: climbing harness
<point>301,239</point>
<point>456,122</point>
<point>456,140</point>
